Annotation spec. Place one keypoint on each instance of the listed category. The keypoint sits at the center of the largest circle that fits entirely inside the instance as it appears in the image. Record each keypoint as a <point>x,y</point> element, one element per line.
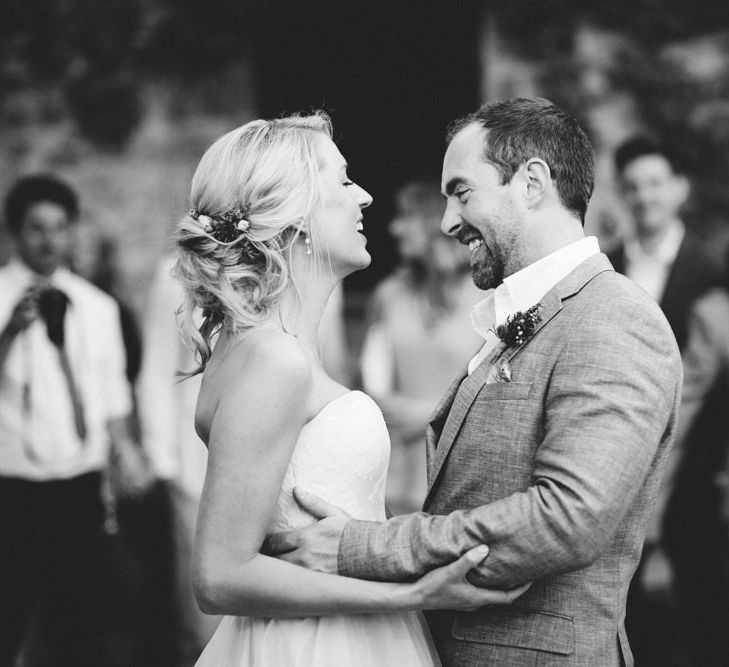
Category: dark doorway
<point>391,74</point>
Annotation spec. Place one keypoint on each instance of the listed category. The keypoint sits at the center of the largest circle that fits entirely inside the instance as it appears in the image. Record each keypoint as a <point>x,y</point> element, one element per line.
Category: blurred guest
<point>674,267</point>
<point>419,335</point>
<point>664,257</point>
<point>167,410</point>
<point>140,618</point>
<point>695,530</point>
<point>64,400</point>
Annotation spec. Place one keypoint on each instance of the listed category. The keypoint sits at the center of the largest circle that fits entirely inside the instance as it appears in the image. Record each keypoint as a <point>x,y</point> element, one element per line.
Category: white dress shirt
<point>650,270</point>
<point>38,435</point>
<point>523,289</point>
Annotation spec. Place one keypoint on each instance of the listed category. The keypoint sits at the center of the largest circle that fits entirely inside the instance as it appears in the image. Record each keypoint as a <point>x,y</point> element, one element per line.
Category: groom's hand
<point>315,547</point>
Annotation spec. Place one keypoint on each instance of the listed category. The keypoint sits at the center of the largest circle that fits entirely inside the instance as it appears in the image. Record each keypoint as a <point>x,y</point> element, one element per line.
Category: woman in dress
<point>419,335</point>
<point>275,226</point>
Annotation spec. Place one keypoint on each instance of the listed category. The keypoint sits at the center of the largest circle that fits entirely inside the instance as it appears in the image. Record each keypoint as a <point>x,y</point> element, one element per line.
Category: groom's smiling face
<point>481,211</point>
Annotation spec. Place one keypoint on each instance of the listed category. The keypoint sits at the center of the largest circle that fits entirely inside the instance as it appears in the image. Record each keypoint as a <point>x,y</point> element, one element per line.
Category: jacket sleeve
<point>609,403</point>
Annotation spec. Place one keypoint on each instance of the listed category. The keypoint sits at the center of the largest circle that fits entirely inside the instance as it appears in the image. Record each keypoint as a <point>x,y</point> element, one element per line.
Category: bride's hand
<point>447,587</point>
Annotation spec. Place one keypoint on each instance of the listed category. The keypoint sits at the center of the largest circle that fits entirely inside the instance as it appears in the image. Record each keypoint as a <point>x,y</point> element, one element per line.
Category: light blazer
<point>556,470</point>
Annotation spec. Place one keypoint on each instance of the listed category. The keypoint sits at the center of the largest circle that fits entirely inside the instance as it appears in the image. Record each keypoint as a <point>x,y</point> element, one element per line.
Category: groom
<point>549,448</point>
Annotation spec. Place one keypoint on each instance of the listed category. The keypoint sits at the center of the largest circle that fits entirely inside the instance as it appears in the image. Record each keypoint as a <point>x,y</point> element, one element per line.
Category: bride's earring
<point>307,241</point>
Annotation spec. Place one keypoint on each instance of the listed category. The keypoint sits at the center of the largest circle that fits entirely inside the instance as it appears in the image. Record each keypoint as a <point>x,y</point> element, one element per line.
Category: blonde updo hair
<point>270,170</point>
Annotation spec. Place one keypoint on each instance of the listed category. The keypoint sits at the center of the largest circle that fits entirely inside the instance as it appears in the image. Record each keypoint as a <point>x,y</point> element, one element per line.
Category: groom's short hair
<point>525,128</point>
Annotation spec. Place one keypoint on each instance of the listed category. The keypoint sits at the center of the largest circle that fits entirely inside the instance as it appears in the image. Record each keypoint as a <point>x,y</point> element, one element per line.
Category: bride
<point>275,225</point>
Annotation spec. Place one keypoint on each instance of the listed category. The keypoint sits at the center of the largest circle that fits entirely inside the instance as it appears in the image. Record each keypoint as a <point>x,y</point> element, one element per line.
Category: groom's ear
<point>537,181</point>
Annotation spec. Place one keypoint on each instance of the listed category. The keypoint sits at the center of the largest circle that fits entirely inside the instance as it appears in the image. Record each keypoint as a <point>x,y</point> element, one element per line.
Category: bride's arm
<point>253,432</point>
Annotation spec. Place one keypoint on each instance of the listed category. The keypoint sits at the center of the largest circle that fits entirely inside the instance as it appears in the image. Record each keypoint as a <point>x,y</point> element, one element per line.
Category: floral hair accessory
<point>227,228</point>
<point>519,327</point>
<point>205,221</point>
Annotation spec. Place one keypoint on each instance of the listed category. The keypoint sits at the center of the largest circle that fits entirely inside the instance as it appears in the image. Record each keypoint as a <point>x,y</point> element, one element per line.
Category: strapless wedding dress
<point>341,455</point>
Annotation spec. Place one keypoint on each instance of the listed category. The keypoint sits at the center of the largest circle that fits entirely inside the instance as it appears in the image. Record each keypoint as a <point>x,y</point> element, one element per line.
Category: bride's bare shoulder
<point>265,362</point>
<point>268,366</point>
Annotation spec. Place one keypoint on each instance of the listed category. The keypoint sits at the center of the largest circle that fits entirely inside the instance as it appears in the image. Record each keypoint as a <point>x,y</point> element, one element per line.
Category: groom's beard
<point>487,267</point>
<point>486,262</point>
<point>501,250</point>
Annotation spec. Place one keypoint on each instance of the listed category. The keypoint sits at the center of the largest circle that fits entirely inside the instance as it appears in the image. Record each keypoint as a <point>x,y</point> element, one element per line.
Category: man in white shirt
<point>64,400</point>
<point>665,258</point>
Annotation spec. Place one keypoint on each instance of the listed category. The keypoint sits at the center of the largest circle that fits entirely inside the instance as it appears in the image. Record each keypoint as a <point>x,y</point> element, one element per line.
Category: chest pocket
<point>505,391</point>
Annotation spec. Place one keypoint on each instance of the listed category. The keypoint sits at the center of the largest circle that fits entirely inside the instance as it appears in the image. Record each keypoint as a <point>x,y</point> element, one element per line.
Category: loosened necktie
<point>52,305</point>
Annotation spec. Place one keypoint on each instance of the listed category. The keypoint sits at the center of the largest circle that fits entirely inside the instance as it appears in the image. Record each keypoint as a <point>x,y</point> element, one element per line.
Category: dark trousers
<point>697,544</point>
<point>51,568</point>
<point>655,638</point>
<point>143,628</point>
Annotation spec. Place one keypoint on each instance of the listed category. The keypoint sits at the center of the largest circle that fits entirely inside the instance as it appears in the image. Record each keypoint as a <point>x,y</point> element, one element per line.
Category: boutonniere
<point>519,327</point>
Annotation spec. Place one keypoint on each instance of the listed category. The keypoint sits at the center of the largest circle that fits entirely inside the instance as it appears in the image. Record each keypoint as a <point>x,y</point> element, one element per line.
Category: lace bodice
<point>341,456</point>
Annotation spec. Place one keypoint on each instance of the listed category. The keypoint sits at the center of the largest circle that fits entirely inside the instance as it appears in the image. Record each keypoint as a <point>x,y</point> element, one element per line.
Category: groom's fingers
<point>467,561</point>
<point>474,557</point>
<point>315,505</point>
<point>504,597</point>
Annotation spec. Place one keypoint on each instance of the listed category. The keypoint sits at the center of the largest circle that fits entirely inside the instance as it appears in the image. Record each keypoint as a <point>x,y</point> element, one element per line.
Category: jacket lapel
<point>437,420</point>
<point>466,392</point>
<point>463,392</point>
